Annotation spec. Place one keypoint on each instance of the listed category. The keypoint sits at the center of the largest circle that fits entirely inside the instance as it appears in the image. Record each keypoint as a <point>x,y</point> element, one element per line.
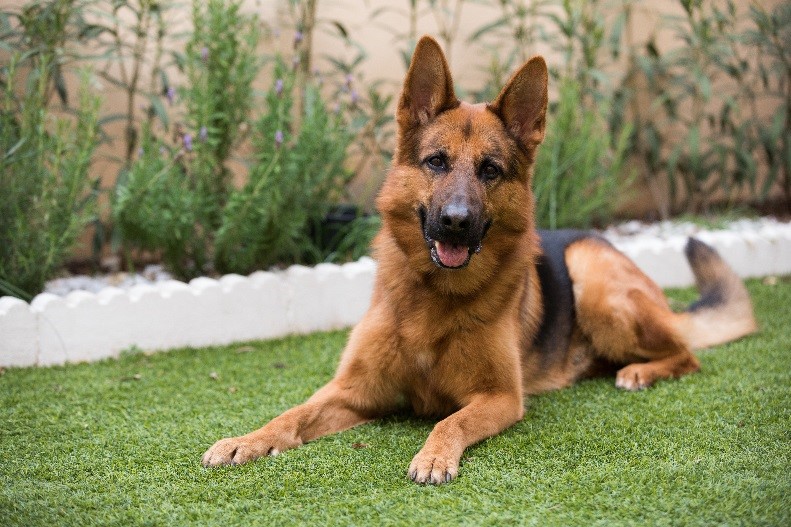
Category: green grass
<point>119,443</point>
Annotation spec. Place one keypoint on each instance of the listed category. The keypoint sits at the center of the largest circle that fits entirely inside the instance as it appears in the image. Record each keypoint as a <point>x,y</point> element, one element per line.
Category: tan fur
<point>458,344</point>
<point>732,319</point>
<point>625,316</point>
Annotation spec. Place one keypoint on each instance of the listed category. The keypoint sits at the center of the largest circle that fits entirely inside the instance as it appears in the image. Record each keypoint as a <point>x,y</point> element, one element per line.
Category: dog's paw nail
<point>432,469</point>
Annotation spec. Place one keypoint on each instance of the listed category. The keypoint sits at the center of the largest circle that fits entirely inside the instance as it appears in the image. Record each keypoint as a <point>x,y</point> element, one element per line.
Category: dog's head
<point>460,181</point>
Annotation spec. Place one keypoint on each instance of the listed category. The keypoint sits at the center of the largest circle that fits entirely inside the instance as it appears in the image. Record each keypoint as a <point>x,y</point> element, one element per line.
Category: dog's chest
<point>439,342</point>
<point>433,374</point>
<point>424,361</point>
<point>425,391</point>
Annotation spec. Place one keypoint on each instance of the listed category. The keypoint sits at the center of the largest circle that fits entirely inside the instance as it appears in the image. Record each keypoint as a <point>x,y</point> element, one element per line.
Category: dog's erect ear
<point>522,104</point>
<point>428,88</point>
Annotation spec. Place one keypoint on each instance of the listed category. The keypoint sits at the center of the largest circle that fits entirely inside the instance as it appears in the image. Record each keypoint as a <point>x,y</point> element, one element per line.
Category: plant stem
<point>413,21</point>
<point>141,34</point>
<point>156,68</point>
<point>448,30</point>
<point>782,52</point>
<point>662,206</point>
<point>308,22</point>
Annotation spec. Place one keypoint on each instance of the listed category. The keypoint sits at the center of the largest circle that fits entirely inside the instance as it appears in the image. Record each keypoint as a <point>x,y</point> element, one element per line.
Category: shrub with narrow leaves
<point>46,194</point>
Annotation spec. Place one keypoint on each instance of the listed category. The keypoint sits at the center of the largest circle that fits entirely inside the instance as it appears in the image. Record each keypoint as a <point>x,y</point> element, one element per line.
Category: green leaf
<point>159,110</point>
<point>341,29</point>
<point>91,31</point>
<point>705,87</point>
<point>615,34</point>
<point>651,48</point>
<point>14,148</point>
<point>487,28</point>
<point>164,80</point>
<point>110,118</point>
<point>5,22</point>
<point>9,289</point>
<point>60,85</point>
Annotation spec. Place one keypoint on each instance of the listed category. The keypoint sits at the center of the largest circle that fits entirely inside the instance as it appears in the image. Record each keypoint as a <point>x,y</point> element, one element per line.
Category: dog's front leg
<point>484,416</point>
<point>331,409</point>
<point>360,392</point>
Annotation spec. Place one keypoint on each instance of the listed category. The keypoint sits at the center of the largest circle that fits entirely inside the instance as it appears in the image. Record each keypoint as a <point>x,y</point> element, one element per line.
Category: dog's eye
<point>436,162</point>
<point>490,171</point>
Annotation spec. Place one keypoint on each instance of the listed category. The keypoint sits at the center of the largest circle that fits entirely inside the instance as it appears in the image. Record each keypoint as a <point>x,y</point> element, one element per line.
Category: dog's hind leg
<point>665,351</point>
<point>626,316</point>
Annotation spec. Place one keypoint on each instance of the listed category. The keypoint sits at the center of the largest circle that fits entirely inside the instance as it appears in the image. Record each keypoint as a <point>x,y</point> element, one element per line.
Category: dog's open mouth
<point>449,255</point>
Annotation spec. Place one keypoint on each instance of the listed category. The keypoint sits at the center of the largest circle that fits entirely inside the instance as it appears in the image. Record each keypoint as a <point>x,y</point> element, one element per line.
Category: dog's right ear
<point>428,88</point>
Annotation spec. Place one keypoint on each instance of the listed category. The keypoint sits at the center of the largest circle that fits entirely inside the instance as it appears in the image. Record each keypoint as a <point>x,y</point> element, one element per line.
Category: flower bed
<point>83,326</point>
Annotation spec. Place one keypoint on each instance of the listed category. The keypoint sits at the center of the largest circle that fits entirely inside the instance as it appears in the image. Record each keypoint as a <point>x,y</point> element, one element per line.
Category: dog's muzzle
<point>453,234</point>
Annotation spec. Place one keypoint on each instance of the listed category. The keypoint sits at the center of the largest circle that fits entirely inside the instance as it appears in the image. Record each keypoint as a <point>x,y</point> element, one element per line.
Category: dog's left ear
<point>428,88</point>
<point>522,104</point>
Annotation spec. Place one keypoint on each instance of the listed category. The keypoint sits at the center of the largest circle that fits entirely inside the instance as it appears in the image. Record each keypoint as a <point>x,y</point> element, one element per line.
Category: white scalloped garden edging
<point>751,253</point>
<point>84,326</point>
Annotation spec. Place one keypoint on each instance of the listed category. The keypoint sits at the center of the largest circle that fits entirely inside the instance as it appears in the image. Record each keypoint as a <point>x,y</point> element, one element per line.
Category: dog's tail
<point>724,311</point>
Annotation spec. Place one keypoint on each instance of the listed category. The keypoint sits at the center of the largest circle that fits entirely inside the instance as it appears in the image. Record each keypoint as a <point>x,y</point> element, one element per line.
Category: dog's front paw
<point>433,468</point>
<point>237,450</point>
<point>635,377</point>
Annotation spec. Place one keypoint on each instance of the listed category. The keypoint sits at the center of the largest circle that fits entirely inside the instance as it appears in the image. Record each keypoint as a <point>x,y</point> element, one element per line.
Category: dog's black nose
<point>455,217</point>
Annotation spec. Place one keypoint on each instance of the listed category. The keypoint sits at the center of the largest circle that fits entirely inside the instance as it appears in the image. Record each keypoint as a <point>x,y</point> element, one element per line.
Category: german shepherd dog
<point>473,308</point>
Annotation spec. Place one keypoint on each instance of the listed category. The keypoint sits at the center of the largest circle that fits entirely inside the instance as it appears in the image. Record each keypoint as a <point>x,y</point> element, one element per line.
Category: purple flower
<point>298,36</point>
<point>187,142</point>
<point>203,134</point>
<point>278,138</point>
<point>355,96</point>
<point>279,87</point>
<point>204,53</point>
<point>171,94</point>
<point>349,79</point>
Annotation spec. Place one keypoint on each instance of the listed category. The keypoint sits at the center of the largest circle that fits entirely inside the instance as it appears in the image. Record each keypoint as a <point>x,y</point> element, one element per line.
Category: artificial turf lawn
<point>119,443</point>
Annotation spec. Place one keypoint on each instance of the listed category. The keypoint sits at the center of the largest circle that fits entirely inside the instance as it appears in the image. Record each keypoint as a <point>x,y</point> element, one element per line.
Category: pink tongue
<point>451,255</point>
